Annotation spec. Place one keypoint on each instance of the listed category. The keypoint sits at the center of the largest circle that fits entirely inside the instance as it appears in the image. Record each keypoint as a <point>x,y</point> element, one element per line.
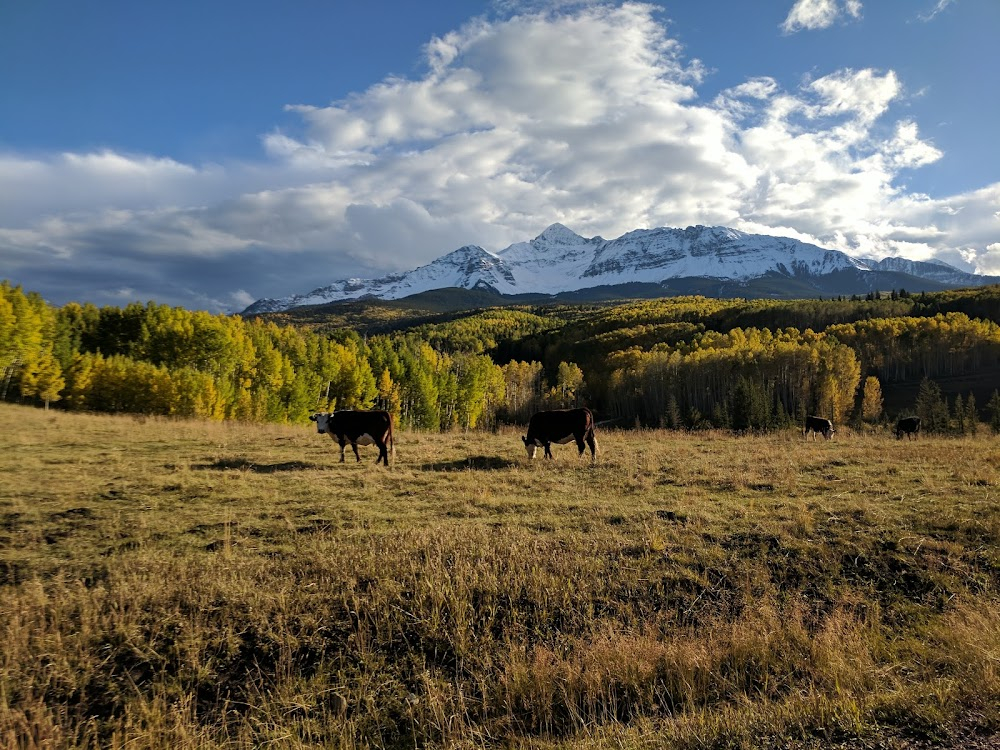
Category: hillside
<point>591,333</point>
<point>688,362</point>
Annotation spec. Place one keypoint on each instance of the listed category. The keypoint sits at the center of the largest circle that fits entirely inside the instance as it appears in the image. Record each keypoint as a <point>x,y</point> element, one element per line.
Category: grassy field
<point>171,584</point>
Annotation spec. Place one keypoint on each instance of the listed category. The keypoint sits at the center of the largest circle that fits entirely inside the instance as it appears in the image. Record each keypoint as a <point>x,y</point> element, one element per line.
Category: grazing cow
<point>820,425</point>
<point>560,426</point>
<point>909,425</point>
<point>358,428</point>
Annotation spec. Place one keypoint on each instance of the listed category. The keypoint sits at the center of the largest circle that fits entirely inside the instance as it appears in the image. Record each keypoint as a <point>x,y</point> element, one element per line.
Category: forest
<point>680,362</point>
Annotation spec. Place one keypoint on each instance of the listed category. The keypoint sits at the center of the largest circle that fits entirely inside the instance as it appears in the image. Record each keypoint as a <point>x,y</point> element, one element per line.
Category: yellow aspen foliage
<point>871,401</point>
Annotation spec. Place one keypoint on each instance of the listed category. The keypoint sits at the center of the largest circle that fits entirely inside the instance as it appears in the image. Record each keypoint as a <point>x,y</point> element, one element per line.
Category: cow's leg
<point>356,454</point>
<point>592,443</point>
<point>548,450</point>
<point>343,447</point>
<point>383,454</point>
<point>580,445</point>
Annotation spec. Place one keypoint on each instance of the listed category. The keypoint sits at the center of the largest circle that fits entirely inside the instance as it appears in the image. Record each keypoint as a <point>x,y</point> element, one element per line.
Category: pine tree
<point>993,409</point>
<point>673,415</point>
<point>931,407</point>
<point>751,406</point>
<point>971,415</point>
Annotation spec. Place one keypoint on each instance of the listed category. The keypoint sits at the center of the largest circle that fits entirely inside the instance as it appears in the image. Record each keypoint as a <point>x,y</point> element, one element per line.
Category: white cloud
<point>939,7</point>
<point>590,118</point>
<point>989,260</point>
<point>809,15</point>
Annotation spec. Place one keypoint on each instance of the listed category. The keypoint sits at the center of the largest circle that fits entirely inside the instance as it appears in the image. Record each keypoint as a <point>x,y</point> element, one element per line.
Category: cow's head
<point>828,432</point>
<point>322,422</point>
<point>529,447</point>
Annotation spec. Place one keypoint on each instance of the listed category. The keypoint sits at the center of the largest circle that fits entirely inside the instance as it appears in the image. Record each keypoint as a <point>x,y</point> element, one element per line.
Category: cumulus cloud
<point>809,15</point>
<point>589,117</point>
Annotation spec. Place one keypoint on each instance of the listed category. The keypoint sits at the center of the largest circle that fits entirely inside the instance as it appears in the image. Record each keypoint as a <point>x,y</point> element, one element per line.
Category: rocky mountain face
<point>709,260</point>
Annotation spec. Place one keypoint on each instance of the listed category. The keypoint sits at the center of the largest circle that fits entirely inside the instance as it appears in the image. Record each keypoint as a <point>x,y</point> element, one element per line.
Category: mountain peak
<point>699,257</point>
<point>558,234</point>
<point>467,251</point>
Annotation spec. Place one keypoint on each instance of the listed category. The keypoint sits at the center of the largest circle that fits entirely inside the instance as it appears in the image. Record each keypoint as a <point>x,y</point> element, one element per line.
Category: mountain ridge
<point>558,261</point>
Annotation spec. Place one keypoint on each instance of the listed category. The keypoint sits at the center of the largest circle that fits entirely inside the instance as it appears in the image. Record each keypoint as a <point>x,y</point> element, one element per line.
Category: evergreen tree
<point>931,407</point>
<point>720,414</point>
<point>993,410</point>
<point>750,406</point>
<point>971,415</point>
<point>673,415</point>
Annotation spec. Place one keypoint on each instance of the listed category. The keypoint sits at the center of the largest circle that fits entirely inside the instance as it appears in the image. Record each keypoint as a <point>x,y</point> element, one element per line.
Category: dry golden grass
<point>171,584</point>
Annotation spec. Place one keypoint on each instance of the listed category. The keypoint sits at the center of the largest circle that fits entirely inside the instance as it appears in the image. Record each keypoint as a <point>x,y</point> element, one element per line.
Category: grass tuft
<point>187,585</point>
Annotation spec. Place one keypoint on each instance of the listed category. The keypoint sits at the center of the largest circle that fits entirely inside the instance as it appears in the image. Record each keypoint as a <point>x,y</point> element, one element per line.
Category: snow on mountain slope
<point>926,269</point>
<point>553,262</point>
<point>559,260</point>
<point>653,255</point>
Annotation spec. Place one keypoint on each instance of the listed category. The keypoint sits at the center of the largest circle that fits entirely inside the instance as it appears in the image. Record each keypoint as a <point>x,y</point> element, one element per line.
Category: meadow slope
<point>183,584</point>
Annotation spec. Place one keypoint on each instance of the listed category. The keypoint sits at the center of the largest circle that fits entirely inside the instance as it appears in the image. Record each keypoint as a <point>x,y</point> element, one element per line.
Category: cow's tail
<point>392,442</point>
<point>592,435</point>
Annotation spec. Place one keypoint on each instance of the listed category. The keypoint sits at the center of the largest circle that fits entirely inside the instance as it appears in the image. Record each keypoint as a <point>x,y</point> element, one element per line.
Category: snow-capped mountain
<point>559,260</point>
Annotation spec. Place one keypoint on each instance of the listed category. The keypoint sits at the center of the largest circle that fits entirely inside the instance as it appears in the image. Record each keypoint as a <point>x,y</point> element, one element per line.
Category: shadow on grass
<point>472,463</point>
<point>243,464</point>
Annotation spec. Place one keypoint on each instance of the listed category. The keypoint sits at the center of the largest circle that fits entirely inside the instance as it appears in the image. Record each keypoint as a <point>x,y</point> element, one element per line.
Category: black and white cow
<point>820,425</point>
<point>358,428</point>
<point>560,426</point>
<point>909,425</point>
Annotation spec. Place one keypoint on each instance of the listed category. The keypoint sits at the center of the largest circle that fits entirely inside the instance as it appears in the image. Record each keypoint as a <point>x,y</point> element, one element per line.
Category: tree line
<point>686,362</point>
<point>160,360</point>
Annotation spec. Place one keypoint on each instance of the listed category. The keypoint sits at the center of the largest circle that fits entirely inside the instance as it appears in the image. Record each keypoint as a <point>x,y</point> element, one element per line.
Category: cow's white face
<point>531,448</point>
<point>322,422</point>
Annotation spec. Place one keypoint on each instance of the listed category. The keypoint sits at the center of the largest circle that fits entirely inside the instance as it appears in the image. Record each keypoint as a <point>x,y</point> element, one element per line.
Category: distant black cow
<point>560,426</point>
<point>820,425</point>
<point>358,428</point>
<point>909,425</point>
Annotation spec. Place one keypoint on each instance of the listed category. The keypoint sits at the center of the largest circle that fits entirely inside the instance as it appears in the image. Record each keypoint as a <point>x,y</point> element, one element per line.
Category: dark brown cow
<point>820,425</point>
<point>358,428</point>
<point>560,426</point>
<point>909,425</point>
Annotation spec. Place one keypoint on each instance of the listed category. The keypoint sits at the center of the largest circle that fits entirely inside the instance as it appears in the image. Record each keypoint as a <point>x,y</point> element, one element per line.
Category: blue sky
<point>210,154</point>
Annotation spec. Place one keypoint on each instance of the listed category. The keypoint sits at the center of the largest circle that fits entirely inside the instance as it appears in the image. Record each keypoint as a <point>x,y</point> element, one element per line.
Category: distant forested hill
<point>681,362</point>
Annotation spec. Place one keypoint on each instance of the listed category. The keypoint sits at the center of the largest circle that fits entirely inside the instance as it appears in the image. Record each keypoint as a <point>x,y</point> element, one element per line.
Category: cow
<point>909,425</point>
<point>820,425</point>
<point>560,426</point>
<point>358,428</point>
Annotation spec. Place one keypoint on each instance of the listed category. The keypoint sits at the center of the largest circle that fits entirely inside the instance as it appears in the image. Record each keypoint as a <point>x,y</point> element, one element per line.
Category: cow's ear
<point>524,439</point>
<point>312,417</point>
